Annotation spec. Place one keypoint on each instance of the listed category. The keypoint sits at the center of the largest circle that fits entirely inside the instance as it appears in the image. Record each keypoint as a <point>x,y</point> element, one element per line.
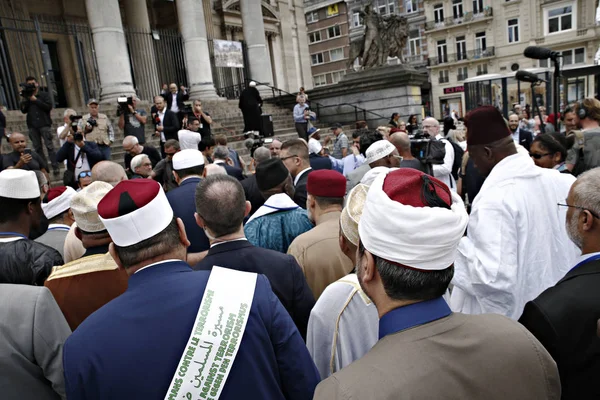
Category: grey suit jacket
<point>55,239</point>
<point>473,357</point>
<point>32,333</point>
<point>355,176</point>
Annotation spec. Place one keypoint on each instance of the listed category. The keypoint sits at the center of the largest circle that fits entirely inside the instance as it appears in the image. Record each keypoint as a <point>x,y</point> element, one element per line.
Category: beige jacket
<point>319,255</point>
<point>474,357</point>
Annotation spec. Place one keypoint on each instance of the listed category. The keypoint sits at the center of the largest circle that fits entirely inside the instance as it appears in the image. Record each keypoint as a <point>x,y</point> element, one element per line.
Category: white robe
<point>517,244</point>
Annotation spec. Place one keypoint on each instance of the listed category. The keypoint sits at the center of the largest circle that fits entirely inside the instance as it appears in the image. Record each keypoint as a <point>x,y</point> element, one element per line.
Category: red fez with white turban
<point>58,201</point>
<point>134,211</point>
<point>412,219</point>
<point>326,183</point>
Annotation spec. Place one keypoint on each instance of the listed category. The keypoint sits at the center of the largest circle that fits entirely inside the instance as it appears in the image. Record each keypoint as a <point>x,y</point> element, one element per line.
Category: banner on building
<point>228,54</point>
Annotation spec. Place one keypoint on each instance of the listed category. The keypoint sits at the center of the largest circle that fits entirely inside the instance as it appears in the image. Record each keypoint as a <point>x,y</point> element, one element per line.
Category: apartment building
<point>468,38</point>
<point>328,41</point>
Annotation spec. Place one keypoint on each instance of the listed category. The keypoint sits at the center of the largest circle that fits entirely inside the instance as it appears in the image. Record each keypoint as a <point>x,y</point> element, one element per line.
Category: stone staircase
<point>226,114</point>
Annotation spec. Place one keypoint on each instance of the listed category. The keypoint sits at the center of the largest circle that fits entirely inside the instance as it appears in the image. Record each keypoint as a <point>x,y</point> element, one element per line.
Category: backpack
<point>458,156</point>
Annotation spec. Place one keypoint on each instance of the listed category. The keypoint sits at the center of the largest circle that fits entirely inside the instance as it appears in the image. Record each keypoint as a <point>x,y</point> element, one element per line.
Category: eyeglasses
<point>84,174</point>
<point>579,207</point>
<point>429,126</point>
<point>537,156</point>
<point>285,158</point>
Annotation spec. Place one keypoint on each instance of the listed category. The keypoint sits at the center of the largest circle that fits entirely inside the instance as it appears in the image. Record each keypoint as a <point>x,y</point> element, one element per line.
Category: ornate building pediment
<point>268,11</point>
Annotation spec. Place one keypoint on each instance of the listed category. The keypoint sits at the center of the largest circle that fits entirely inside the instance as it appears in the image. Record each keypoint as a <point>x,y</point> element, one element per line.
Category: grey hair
<point>132,140</point>
<point>68,112</point>
<point>137,161</point>
<point>435,121</point>
<point>586,190</point>
<point>214,169</point>
<point>220,153</point>
<point>262,154</point>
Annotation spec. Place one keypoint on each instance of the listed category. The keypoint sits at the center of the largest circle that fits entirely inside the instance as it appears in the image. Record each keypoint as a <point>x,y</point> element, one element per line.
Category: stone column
<point>142,48</point>
<point>254,36</point>
<point>111,51</point>
<point>193,29</point>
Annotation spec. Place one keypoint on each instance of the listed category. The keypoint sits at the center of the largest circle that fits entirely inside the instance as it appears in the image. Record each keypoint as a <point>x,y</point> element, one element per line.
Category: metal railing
<point>466,56</point>
<point>462,77</point>
<point>466,18</point>
<point>443,79</point>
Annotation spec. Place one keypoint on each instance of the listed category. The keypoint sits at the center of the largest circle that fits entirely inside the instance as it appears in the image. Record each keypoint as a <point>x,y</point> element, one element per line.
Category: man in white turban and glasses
<point>409,231</point>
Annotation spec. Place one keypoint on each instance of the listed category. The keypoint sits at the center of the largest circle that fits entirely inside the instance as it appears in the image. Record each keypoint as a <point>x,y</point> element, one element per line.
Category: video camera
<point>123,104</point>
<point>426,150</point>
<point>27,90</point>
<point>75,120</point>
<point>188,108</point>
<point>254,142</point>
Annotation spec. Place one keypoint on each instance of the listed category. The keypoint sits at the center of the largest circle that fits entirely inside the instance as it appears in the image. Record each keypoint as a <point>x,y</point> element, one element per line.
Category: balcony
<point>414,60</point>
<point>462,77</point>
<point>443,79</point>
<point>467,18</point>
<point>471,55</point>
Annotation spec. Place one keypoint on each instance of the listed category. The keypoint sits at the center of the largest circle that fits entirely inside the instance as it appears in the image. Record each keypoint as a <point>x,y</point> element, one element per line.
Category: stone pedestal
<point>193,29</point>
<point>111,51</point>
<point>382,91</point>
<point>256,45</point>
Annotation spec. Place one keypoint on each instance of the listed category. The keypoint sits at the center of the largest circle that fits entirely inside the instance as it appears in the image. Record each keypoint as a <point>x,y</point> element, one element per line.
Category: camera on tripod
<point>27,90</point>
<point>254,141</point>
<point>123,104</point>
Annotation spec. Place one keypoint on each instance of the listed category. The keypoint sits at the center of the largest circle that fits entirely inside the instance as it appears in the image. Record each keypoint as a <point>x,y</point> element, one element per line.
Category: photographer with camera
<point>80,154</point>
<point>23,157</point>
<point>431,128</point>
<point>132,120</point>
<point>37,106</point>
<point>204,118</point>
<point>98,128</point>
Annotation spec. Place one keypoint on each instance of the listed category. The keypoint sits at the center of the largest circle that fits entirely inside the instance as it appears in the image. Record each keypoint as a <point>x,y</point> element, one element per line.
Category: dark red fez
<point>326,183</point>
<point>127,197</point>
<point>485,125</point>
<point>394,130</point>
<point>54,193</point>
<point>414,188</point>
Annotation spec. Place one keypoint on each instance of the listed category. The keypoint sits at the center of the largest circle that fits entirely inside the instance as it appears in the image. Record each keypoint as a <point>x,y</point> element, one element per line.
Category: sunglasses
<point>84,174</point>
<point>537,156</point>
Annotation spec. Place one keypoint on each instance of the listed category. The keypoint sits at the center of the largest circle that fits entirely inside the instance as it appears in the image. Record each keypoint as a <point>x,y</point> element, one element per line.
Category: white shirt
<point>161,117</point>
<point>59,131</point>
<point>517,244</point>
<point>515,135</point>
<point>343,326</point>
<point>188,139</point>
<point>444,171</point>
<point>82,163</point>
<point>227,241</point>
<point>155,264</point>
<point>297,178</point>
<point>174,106</point>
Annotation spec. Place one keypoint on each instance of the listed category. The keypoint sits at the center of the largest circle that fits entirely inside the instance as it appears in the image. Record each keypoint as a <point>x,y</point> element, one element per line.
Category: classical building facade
<point>469,38</point>
<point>111,48</point>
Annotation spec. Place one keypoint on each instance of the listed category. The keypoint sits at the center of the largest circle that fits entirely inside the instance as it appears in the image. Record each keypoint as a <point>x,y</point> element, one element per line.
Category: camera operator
<point>204,118</point>
<point>443,172</point>
<point>585,153</point>
<point>37,106</point>
<point>132,120</point>
<point>81,155</point>
<point>98,128</point>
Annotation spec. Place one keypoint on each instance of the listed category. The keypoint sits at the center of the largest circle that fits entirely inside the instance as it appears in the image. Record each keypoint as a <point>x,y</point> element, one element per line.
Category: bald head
<point>431,126</point>
<point>109,172</point>
<point>130,141</point>
<point>401,141</point>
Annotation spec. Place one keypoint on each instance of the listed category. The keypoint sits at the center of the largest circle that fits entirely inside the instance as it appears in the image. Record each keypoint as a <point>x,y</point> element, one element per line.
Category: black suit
<point>90,151</point>
<point>232,171</point>
<point>300,190</point>
<point>564,319</point>
<point>525,138</point>
<point>180,99</point>
<point>282,270</point>
<point>252,193</point>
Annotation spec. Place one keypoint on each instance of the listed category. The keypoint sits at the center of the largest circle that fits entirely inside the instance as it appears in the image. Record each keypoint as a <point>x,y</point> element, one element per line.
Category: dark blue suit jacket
<point>237,173</point>
<point>67,152</point>
<point>130,348</point>
<point>183,203</point>
<point>284,273</point>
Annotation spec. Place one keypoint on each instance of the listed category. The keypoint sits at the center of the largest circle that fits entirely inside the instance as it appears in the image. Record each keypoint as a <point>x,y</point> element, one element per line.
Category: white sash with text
<point>216,336</point>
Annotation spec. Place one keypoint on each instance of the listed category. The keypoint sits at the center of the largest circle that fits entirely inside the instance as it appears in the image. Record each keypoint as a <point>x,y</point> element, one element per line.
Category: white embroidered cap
<point>379,150</point>
<point>19,184</point>
<point>187,158</point>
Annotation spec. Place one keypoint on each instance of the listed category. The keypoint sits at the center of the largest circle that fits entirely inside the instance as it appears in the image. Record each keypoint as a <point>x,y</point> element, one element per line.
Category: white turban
<point>423,238</point>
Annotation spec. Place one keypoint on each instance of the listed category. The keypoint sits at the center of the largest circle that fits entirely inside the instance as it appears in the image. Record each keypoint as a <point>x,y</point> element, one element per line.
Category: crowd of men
<point>342,268</point>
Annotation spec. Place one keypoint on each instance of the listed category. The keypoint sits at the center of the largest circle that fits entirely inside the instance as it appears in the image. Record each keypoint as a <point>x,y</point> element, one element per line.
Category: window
<point>463,73</point>
<point>480,44</point>
<point>438,13</point>
<point>482,69</point>
<point>317,58</point>
<point>477,6</point>
<point>560,19</point>
<point>312,17</point>
<point>414,43</point>
<point>334,31</point>
<point>314,37</point>
<point>320,80</point>
<point>337,76</point>
<point>442,51</point>
<point>333,10</point>
<point>336,54</point>
<point>461,48</point>
<point>513,30</point>
<point>385,7</point>
<point>457,8</point>
<point>411,6</point>
<point>443,76</point>
<point>569,57</point>
<point>357,20</point>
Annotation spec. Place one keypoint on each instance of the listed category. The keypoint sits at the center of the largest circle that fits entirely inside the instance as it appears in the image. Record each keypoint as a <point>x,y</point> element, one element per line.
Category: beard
<point>310,216</point>
<point>573,232</point>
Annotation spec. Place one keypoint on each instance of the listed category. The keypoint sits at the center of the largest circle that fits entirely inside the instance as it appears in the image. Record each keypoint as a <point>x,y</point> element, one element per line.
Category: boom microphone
<point>249,143</point>
<point>525,76</point>
<point>540,53</point>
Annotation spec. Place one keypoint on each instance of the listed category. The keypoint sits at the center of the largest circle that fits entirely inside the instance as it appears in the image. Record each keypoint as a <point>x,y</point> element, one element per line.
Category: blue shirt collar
<point>413,315</point>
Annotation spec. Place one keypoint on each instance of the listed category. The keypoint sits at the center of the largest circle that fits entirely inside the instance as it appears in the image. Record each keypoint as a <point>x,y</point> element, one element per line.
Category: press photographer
<point>131,120</point>
<point>37,106</point>
<point>98,128</point>
<point>80,155</point>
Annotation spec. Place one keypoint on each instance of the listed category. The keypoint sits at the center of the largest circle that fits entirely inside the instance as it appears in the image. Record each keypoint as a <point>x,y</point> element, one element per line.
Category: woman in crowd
<point>549,150</point>
<point>412,124</point>
<point>394,121</point>
<point>302,93</point>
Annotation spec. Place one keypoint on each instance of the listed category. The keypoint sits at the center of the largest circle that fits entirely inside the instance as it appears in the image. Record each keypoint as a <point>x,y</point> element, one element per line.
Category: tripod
<point>536,107</point>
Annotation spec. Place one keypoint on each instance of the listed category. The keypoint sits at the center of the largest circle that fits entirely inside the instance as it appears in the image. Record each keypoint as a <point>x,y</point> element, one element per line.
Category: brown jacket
<point>319,255</point>
<point>487,357</point>
<point>83,286</point>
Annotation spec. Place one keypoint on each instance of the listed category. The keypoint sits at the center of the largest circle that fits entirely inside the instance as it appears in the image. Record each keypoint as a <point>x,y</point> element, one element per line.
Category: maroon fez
<point>326,183</point>
<point>485,125</point>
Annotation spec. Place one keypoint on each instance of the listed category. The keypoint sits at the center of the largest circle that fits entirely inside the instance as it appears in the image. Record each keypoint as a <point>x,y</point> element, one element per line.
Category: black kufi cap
<point>270,173</point>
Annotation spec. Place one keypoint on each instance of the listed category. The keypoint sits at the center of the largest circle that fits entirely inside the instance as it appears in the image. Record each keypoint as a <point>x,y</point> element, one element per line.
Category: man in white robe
<point>516,244</point>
